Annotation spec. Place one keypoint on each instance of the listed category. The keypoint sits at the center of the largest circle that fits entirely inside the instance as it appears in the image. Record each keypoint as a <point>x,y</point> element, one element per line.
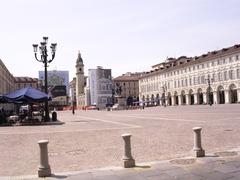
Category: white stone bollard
<point>197,148</point>
<point>44,169</point>
<point>128,160</point>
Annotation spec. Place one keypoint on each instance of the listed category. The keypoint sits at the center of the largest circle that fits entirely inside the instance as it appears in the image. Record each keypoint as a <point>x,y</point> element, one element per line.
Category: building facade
<point>100,86</point>
<point>72,86</point>
<point>212,78</point>
<point>7,84</point>
<point>129,84</point>
<point>22,82</point>
<point>6,80</point>
<point>56,78</point>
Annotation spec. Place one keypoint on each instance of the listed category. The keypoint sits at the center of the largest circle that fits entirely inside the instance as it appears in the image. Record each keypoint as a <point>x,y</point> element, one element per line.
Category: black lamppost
<point>209,89</point>
<point>44,59</point>
<point>164,88</point>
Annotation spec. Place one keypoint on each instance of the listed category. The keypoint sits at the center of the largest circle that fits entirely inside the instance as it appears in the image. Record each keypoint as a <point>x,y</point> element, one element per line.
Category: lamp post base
<point>44,172</point>
<point>128,163</point>
<point>198,153</point>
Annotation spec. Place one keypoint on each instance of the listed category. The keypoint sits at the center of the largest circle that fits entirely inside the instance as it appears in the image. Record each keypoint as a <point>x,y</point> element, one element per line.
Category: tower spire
<point>79,58</point>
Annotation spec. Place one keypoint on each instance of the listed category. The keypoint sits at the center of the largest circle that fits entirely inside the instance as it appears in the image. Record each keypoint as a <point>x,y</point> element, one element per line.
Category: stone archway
<point>233,94</point>
<point>169,99</point>
<point>209,96</point>
<point>221,95</point>
<point>183,97</point>
<point>191,96</point>
<point>200,96</point>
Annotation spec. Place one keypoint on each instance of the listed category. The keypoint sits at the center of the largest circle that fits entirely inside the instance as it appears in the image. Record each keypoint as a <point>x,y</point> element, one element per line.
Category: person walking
<point>73,110</point>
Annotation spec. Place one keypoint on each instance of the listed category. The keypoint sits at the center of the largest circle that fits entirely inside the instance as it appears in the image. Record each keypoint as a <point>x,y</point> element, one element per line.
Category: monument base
<point>121,101</point>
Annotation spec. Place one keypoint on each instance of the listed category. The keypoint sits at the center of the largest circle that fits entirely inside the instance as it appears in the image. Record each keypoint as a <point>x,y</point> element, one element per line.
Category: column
<point>196,99</point>
<point>226,92</point>
<point>238,95</point>
<point>204,98</point>
<point>188,100</point>
<point>215,98</point>
<point>179,100</point>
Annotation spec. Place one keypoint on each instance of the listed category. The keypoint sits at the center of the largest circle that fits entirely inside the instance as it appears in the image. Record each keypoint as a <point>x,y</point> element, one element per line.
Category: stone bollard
<point>128,160</point>
<point>44,169</point>
<point>197,148</point>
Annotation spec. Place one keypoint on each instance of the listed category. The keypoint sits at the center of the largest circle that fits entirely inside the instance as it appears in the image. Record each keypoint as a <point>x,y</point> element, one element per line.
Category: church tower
<point>80,79</point>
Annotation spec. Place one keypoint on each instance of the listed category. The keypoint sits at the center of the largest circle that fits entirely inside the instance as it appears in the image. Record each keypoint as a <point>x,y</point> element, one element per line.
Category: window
<point>193,68</point>
<point>238,73</point>
<point>182,83</point>
<point>225,76</point>
<point>190,81</point>
<point>186,82</point>
<point>237,58</point>
<point>219,76</point>
<point>202,66</point>
<point>224,61</point>
<point>199,80</point>
<point>230,74</point>
<point>213,77</point>
<point>202,79</point>
<point>230,59</point>
<point>212,63</point>
<point>175,84</point>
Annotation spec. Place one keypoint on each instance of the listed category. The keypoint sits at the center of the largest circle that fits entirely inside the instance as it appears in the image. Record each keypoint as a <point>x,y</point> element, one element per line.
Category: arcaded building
<point>211,78</point>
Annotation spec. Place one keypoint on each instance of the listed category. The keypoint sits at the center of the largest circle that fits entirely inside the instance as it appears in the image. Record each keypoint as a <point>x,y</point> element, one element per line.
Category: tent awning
<point>26,95</point>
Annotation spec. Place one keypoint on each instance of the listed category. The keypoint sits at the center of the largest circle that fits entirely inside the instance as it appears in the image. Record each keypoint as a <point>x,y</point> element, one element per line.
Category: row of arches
<point>220,96</point>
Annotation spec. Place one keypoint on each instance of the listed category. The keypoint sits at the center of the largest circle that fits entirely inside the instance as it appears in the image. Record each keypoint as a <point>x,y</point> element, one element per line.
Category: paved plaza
<point>92,139</point>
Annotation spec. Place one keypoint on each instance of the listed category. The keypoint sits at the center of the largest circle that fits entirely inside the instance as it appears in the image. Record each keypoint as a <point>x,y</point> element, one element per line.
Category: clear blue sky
<point>124,35</point>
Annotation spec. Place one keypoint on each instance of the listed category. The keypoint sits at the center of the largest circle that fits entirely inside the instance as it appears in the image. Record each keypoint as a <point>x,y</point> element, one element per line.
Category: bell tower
<point>80,79</point>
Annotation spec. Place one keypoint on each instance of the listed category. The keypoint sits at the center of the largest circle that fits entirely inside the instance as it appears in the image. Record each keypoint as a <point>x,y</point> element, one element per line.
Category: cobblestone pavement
<point>92,139</point>
<point>218,166</point>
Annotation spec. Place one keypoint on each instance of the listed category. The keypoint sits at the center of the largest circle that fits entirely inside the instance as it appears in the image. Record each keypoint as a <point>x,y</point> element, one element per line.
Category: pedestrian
<point>73,111</point>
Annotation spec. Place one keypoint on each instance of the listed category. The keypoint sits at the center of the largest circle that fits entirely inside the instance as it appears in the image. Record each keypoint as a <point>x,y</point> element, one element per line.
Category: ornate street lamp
<point>208,80</point>
<point>44,59</point>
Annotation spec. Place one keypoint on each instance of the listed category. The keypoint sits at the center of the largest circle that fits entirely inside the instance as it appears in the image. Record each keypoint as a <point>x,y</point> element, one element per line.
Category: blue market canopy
<point>26,95</point>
